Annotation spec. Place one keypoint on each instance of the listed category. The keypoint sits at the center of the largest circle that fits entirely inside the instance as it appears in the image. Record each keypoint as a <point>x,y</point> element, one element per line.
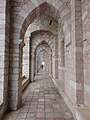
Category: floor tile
<point>41,101</point>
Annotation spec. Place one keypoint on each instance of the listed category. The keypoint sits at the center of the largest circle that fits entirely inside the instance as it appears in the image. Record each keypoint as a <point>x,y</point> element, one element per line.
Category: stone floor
<point>41,101</point>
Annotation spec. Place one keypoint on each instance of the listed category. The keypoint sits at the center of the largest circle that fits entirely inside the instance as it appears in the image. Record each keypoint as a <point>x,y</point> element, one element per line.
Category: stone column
<point>4,49</point>
<point>50,64</point>
<point>32,65</point>
<point>36,65</point>
<point>15,77</point>
<point>77,48</point>
<point>56,56</point>
<point>2,46</point>
<point>30,58</point>
<point>61,58</point>
<point>4,53</point>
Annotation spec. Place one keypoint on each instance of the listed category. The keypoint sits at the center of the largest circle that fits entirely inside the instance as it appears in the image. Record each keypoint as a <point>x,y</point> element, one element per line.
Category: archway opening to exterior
<point>43,63</point>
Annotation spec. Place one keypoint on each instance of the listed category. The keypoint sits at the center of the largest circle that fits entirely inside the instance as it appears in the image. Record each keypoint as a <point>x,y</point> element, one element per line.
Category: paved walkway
<point>41,101</point>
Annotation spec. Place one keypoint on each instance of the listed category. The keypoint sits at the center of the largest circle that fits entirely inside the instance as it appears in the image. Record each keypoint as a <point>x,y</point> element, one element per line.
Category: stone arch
<point>45,50</point>
<point>42,23</point>
<point>19,26</point>
<point>62,13</point>
<point>59,10</point>
<point>41,45</point>
<point>43,42</point>
<point>43,53</point>
<point>37,43</point>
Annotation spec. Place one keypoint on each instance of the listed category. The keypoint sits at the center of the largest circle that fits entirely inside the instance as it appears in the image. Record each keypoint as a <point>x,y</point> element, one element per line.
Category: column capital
<point>22,44</point>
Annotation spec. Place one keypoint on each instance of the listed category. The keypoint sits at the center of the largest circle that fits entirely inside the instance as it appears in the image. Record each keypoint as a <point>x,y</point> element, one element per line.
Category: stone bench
<point>25,83</point>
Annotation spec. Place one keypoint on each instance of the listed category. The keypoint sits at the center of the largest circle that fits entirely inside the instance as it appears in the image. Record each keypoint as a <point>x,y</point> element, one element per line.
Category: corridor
<point>41,101</point>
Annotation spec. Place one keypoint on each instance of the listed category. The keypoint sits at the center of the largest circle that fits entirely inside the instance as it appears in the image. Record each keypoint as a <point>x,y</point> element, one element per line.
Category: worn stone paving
<point>41,101</point>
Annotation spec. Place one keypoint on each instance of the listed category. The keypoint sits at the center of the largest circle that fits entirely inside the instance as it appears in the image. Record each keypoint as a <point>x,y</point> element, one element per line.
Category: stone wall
<point>74,79</point>
<point>6,61</point>
<point>23,14</point>
<point>4,53</point>
<point>65,27</point>
<point>2,46</point>
<point>86,50</point>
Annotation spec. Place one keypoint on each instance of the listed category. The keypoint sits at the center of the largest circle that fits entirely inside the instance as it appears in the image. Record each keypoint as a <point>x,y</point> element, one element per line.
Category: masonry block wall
<point>86,50</point>
<point>6,61</point>
<point>4,53</point>
<point>2,45</point>
<point>59,28</point>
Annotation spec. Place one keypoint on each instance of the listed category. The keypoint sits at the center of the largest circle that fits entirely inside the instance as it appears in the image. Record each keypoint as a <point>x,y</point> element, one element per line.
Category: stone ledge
<point>60,84</point>
<point>60,88</point>
<point>83,114</point>
<point>25,83</point>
